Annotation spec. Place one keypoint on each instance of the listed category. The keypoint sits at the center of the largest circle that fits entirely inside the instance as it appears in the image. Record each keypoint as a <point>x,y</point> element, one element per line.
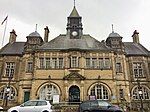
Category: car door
<point>41,105</point>
<point>28,106</point>
<point>94,105</point>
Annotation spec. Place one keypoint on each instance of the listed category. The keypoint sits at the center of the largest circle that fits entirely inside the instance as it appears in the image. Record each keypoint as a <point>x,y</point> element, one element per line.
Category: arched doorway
<point>74,94</point>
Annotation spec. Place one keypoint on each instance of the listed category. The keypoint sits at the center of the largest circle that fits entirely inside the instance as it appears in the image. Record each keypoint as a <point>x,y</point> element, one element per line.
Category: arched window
<point>11,93</point>
<point>141,92</point>
<point>100,91</point>
<point>47,92</point>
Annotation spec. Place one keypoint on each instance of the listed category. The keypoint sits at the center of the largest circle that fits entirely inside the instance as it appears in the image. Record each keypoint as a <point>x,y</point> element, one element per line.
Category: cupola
<point>114,40</point>
<point>34,40</point>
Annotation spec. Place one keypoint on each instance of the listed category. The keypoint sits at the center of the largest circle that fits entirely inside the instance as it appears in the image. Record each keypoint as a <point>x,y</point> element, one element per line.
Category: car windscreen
<point>30,103</point>
<point>103,104</point>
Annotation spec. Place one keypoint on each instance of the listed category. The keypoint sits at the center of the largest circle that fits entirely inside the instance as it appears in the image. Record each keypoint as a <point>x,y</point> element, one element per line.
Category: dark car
<point>98,106</point>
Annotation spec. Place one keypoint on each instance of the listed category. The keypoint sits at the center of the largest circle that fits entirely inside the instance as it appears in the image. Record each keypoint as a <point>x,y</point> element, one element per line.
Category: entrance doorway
<point>26,96</point>
<point>74,94</point>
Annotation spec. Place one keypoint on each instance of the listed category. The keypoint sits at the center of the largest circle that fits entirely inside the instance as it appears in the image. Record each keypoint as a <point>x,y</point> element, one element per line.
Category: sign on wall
<point>55,99</point>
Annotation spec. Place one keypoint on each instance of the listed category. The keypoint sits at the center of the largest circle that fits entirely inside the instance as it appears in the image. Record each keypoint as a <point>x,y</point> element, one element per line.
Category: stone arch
<point>74,93</point>
<point>12,94</point>
<point>100,90</point>
<point>145,92</point>
<point>47,90</point>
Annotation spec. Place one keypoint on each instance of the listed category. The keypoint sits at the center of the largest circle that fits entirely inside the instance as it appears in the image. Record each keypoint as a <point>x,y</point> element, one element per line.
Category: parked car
<point>98,106</point>
<point>33,106</point>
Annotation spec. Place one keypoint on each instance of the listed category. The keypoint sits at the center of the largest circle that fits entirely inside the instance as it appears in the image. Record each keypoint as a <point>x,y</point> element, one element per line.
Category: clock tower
<point>74,25</point>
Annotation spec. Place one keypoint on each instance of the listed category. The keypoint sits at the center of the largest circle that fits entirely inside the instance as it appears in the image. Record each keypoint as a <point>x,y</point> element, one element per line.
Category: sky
<point>97,18</point>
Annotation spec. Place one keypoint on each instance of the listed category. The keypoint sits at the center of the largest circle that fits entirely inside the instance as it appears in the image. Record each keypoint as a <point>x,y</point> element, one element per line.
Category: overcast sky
<point>97,18</point>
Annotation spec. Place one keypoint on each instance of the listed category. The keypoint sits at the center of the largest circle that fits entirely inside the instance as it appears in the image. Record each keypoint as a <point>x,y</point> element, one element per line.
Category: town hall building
<point>74,67</point>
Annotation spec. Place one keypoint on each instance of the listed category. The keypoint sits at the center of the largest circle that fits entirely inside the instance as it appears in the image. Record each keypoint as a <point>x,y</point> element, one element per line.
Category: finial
<point>36,28</point>
<point>112,28</point>
<point>74,3</point>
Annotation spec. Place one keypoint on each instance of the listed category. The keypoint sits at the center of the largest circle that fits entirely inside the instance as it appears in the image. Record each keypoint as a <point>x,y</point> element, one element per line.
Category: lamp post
<point>49,77</point>
<point>8,90</point>
<point>140,95</point>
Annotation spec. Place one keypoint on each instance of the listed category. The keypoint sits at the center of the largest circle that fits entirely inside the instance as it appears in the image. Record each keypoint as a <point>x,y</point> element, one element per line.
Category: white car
<point>33,106</point>
<point>1,109</point>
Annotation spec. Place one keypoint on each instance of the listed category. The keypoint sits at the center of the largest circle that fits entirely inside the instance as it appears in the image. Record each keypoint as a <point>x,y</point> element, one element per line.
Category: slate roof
<point>74,13</point>
<point>62,42</point>
<point>15,48</point>
<point>34,34</point>
<point>132,48</point>
<point>114,34</point>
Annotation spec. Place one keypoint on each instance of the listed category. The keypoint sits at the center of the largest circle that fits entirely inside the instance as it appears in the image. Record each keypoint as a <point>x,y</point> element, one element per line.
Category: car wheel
<point>45,111</point>
<point>14,111</point>
<point>86,111</point>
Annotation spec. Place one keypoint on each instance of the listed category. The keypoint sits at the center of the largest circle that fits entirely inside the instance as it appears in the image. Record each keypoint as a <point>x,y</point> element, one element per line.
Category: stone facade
<point>74,67</point>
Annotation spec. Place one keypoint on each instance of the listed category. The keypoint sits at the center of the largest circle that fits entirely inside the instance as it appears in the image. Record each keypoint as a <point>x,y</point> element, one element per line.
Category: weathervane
<point>112,28</point>
<point>36,28</point>
<point>74,3</point>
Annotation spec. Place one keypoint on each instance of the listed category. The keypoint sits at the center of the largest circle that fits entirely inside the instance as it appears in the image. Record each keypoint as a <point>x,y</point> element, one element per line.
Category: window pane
<point>118,67</point>
<point>107,63</point>
<point>101,64</point>
<point>41,62</point>
<point>138,70</point>
<point>11,94</point>
<point>47,63</point>
<point>47,92</point>
<point>29,67</point>
<point>121,93</point>
<point>87,62</point>
<point>100,92</point>
<point>74,61</point>
<point>54,62</point>
<point>94,65</point>
<point>60,62</point>
<point>10,69</point>
<point>145,93</point>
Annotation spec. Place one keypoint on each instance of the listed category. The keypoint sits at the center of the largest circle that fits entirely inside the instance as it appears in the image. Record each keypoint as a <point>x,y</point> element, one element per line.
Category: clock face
<point>74,33</point>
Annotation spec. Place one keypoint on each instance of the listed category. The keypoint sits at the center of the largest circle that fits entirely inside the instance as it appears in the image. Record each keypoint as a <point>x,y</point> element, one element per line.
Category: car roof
<point>95,100</point>
<point>39,100</point>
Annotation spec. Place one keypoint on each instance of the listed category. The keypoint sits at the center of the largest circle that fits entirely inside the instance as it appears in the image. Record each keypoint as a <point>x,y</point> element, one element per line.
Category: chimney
<point>136,37</point>
<point>12,37</point>
<point>46,34</point>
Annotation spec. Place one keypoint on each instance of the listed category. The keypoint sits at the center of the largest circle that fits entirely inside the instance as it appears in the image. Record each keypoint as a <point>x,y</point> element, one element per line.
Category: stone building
<point>74,67</point>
